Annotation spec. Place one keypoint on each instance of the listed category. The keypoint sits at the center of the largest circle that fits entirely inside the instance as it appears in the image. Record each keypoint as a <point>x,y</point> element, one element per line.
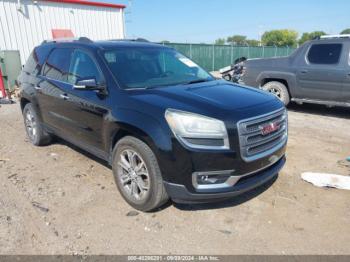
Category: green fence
<point>214,57</point>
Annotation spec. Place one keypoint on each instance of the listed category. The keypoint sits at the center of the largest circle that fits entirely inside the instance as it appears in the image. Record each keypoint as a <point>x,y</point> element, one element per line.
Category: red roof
<point>84,2</point>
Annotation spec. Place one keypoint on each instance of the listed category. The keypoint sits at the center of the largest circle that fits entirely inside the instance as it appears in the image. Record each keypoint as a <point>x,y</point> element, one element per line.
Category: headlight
<point>197,131</point>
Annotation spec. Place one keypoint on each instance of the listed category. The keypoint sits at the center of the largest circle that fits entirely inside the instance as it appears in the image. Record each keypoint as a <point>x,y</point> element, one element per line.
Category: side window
<point>82,66</point>
<point>169,64</point>
<point>32,65</point>
<point>57,64</point>
<point>325,54</point>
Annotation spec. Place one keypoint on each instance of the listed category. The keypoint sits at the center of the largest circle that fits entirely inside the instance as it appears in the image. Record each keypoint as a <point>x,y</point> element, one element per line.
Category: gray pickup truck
<point>317,72</point>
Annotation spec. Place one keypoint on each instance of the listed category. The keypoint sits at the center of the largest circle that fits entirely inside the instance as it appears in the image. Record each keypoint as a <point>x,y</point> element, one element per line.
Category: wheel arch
<point>23,102</point>
<point>129,130</point>
<point>143,127</point>
<point>285,78</point>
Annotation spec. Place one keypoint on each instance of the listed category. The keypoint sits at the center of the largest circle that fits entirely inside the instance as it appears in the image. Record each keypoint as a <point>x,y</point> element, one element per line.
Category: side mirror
<point>87,84</point>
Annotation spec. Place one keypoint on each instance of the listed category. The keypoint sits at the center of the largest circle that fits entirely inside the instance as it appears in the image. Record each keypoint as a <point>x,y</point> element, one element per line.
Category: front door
<point>87,108</point>
<point>321,74</point>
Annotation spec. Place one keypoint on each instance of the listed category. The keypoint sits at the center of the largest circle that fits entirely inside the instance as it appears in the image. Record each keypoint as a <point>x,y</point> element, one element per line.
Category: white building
<point>26,23</point>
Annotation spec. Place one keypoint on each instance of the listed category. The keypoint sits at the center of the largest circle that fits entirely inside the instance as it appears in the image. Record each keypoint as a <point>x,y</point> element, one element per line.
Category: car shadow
<point>234,201</point>
<point>82,151</point>
<point>314,109</point>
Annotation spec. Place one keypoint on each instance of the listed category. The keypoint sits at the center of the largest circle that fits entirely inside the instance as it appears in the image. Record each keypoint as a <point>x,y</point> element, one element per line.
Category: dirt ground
<point>59,200</point>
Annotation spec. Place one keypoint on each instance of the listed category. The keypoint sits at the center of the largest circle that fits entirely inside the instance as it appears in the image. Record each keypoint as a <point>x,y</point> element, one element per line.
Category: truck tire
<point>279,90</point>
<point>35,132</point>
<point>137,174</point>
<point>227,77</point>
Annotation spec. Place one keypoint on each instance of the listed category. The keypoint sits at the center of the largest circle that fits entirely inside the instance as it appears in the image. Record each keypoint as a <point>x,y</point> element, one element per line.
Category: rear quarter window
<point>36,60</point>
<point>32,65</point>
<point>324,54</point>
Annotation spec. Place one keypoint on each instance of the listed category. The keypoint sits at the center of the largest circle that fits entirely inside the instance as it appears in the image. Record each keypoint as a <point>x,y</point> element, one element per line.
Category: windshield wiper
<point>155,86</point>
<point>201,80</point>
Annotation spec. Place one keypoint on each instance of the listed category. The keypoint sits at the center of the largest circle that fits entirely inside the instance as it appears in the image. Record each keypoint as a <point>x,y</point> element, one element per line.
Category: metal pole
<point>191,51</point>
<point>213,57</point>
<point>248,49</point>
<point>275,50</point>
<point>231,54</point>
<point>263,49</point>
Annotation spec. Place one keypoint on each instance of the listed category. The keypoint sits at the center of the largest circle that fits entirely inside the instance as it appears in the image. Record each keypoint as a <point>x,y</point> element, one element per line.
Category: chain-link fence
<point>214,57</point>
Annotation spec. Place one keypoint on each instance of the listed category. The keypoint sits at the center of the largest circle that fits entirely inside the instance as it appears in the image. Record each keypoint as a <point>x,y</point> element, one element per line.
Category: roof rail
<point>335,36</point>
<point>65,40</point>
<point>132,40</point>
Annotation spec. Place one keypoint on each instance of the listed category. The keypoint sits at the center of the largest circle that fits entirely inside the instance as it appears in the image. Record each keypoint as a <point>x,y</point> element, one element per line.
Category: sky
<point>203,21</point>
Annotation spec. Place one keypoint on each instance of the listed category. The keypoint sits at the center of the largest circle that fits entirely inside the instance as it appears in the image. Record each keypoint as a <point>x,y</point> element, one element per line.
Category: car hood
<point>208,96</point>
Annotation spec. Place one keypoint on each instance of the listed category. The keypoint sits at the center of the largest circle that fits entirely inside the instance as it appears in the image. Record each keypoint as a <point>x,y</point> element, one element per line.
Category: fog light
<point>213,179</point>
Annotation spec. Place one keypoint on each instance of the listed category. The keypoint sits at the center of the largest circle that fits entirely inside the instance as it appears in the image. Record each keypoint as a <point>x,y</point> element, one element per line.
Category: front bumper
<point>180,194</point>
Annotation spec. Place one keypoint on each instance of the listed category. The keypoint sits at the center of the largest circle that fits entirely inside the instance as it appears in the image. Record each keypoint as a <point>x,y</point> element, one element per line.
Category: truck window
<point>325,54</point>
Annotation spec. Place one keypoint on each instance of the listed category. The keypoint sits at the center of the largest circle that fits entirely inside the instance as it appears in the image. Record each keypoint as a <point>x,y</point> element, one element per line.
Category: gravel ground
<point>60,200</point>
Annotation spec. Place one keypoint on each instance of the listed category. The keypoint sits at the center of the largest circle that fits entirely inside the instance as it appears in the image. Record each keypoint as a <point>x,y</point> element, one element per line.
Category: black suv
<point>166,126</point>
<point>317,72</point>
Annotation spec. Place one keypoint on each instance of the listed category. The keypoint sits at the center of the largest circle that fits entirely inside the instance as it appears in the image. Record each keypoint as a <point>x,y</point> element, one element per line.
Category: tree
<point>345,31</point>
<point>220,41</point>
<point>253,42</point>
<point>237,40</point>
<point>309,36</point>
<point>283,37</point>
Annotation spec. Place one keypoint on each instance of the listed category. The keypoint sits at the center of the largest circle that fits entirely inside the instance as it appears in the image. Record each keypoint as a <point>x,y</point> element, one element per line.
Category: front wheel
<point>137,174</point>
<point>278,89</point>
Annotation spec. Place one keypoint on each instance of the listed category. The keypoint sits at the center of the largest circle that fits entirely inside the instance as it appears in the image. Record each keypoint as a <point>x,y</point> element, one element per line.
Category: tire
<point>279,90</point>
<point>132,175</point>
<point>227,77</point>
<point>35,132</point>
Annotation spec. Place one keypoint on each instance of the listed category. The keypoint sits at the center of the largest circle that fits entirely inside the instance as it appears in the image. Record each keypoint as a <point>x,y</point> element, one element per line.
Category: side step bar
<point>320,102</point>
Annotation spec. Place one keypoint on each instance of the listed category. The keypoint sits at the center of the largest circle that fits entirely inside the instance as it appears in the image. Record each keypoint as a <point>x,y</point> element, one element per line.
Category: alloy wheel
<point>31,125</point>
<point>133,175</point>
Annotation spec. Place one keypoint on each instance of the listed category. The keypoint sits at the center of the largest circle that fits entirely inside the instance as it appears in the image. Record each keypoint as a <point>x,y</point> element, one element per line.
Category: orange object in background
<point>62,33</point>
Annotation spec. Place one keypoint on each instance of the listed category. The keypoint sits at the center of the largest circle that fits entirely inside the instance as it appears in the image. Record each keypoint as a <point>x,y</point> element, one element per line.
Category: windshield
<point>145,67</point>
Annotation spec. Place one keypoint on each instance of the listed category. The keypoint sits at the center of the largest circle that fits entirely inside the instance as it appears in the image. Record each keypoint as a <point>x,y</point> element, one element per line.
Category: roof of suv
<point>103,44</point>
<point>331,40</point>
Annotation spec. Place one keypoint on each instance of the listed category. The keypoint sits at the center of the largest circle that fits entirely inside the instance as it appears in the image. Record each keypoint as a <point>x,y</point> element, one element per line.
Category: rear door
<point>51,90</point>
<point>321,74</point>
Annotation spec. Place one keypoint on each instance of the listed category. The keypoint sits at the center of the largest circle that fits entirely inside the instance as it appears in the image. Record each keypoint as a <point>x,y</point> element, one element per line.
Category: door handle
<point>303,71</point>
<point>64,96</point>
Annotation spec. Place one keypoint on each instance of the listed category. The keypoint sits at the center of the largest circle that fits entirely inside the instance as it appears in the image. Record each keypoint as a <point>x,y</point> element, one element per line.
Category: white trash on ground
<point>327,180</point>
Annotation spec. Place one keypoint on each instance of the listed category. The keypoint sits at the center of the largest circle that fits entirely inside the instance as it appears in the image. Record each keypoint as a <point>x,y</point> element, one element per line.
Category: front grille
<point>254,143</point>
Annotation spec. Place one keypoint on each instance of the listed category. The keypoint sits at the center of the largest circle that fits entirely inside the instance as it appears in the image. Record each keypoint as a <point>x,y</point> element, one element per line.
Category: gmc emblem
<point>269,128</point>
